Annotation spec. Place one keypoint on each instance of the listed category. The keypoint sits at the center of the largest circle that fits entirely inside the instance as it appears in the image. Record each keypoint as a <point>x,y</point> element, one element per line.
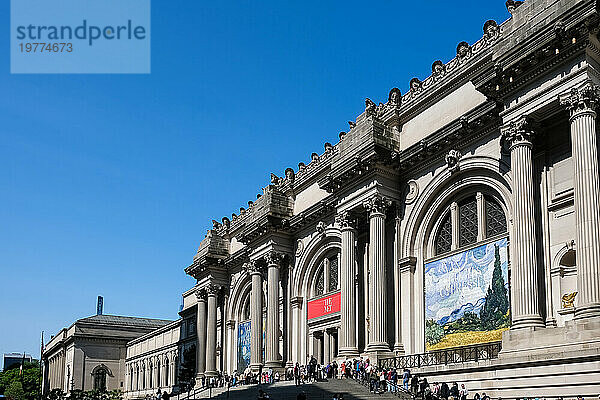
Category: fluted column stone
<point>211,331</point>
<point>326,348</point>
<point>200,335</point>
<point>348,344</point>
<point>582,103</point>
<point>274,261</point>
<point>376,208</point>
<point>255,315</point>
<point>518,135</point>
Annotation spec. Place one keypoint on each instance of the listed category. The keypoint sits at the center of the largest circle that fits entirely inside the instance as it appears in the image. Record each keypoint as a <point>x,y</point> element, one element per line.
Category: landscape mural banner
<point>467,297</point>
<point>243,346</point>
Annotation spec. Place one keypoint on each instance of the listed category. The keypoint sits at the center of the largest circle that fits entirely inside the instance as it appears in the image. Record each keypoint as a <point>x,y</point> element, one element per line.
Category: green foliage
<point>15,391</point>
<point>76,394</point>
<point>434,333</point>
<point>29,380</point>
<point>494,313</point>
<point>468,323</point>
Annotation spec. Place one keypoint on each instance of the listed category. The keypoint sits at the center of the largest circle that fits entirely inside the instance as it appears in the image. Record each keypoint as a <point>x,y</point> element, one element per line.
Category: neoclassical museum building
<point>453,229</point>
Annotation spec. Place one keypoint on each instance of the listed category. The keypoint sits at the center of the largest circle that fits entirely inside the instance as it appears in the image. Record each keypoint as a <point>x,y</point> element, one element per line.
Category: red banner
<point>324,306</point>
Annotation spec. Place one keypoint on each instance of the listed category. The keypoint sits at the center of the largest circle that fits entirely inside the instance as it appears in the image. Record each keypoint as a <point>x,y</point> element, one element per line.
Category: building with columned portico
<point>453,229</point>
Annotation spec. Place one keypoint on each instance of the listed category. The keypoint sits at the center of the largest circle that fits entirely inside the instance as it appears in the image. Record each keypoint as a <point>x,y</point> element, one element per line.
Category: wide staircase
<point>351,390</point>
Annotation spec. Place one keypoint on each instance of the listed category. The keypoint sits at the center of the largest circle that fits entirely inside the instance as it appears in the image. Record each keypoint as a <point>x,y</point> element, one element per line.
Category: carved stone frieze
<point>453,160</point>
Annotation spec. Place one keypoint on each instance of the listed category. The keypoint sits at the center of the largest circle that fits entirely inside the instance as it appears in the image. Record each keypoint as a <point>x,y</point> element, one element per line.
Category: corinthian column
<point>201,335</point>
<point>525,308</point>
<point>582,103</point>
<point>255,315</point>
<point>376,208</point>
<point>348,347</point>
<point>274,261</point>
<point>211,331</point>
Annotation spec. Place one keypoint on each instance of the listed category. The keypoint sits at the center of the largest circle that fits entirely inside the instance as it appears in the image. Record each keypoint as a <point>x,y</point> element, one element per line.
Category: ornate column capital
<point>274,259</point>
<point>581,100</point>
<point>346,220</point>
<point>253,267</point>
<point>519,132</point>
<point>377,205</point>
<point>212,290</point>
<point>200,294</point>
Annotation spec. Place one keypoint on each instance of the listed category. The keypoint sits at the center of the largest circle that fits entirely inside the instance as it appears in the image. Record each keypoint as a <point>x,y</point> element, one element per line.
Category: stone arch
<point>477,172</point>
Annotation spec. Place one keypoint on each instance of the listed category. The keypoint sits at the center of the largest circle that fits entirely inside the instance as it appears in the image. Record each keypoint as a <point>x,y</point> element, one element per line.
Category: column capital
<point>274,259</point>
<point>212,290</point>
<point>296,302</point>
<point>407,264</point>
<point>346,220</point>
<point>581,100</point>
<point>253,267</point>
<point>519,132</point>
<point>200,294</point>
<point>230,324</point>
<point>377,205</point>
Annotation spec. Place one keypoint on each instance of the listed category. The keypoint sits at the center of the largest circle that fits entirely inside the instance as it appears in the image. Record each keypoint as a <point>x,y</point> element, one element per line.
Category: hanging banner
<point>324,306</point>
<point>243,346</point>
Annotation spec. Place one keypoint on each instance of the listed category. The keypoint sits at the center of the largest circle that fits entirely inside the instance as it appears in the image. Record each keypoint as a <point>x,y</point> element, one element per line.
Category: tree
<point>29,379</point>
<point>494,311</point>
<point>15,391</point>
<point>434,333</point>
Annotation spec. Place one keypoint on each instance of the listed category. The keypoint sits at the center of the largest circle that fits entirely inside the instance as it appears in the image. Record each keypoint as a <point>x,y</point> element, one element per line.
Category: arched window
<point>461,225</point>
<point>158,383</point>
<point>246,310</point>
<point>100,378</point>
<point>167,378</point>
<point>468,221</point>
<point>443,241</point>
<point>150,375</point>
<point>327,277</point>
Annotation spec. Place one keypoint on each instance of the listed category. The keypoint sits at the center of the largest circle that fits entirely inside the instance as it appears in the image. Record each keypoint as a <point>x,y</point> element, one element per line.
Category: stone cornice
<point>478,123</point>
<point>312,214</point>
<point>528,51</point>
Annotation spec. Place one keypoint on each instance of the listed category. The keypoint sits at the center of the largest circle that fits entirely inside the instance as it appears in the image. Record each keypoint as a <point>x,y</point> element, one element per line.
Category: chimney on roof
<point>100,305</point>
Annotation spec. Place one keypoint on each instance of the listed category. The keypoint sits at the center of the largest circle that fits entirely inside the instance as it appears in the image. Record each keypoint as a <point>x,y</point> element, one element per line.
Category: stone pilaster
<point>582,103</point>
<point>518,136</point>
<point>326,347</point>
<point>211,331</point>
<point>348,345</point>
<point>255,315</point>
<point>274,262</point>
<point>200,335</point>
<point>376,208</point>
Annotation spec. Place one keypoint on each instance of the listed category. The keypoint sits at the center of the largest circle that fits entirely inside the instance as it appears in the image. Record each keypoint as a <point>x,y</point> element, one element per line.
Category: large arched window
<point>100,373</point>
<point>327,277</point>
<point>468,221</point>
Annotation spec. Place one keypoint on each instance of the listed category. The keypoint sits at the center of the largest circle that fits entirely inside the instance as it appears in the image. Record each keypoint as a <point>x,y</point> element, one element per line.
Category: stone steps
<point>288,391</point>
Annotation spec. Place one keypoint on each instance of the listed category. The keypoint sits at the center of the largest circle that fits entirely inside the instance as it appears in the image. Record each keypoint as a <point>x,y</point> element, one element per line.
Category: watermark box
<point>80,36</point>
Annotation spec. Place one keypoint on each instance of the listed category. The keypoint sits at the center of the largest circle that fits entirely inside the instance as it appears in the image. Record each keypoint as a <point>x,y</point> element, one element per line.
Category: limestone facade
<point>90,354</point>
<point>500,142</point>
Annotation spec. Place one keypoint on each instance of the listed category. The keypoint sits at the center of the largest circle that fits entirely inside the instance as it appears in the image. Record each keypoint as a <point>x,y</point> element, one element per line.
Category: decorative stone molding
<point>463,51</point>
<point>412,192</point>
<point>519,132</point>
<point>407,264</point>
<point>416,85</point>
<point>299,247</point>
<point>212,289</point>
<point>200,294</point>
<point>377,205</point>
<point>290,174</point>
<point>346,220</point>
<point>491,30</point>
<point>581,100</point>
<point>453,160</point>
<point>395,98</point>
<point>320,228</point>
<point>512,5</point>
<point>274,259</point>
<point>253,268</point>
<point>438,69</point>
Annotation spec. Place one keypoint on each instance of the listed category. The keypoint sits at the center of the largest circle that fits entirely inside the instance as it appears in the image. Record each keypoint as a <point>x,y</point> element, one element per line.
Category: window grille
<point>443,241</point>
<point>333,273</point>
<point>468,222</point>
<point>495,218</point>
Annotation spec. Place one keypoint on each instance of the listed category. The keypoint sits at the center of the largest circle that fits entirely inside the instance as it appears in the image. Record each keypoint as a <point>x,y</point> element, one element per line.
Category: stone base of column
<point>199,380</point>
<point>348,352</point>
<point>376,354</point>
<point>256,367</point>
<point>588,311</point>
<point>399,349</point>
<point>210,374</point>
<point>528,321</point>
<point>289,364</point>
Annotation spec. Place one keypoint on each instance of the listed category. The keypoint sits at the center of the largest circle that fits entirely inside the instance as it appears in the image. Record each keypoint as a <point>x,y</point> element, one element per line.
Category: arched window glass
<point>320,284</point>
<point>246,311</point>
<point>333,273</point>
<point>443,241</point>
<point>100,379</point>
<point>495,218</point>
<point>468,221</point>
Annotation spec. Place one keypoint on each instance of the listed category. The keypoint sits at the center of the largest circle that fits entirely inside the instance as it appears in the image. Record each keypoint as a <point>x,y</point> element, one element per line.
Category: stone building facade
<point>494,154</point>
<point>90,354</point>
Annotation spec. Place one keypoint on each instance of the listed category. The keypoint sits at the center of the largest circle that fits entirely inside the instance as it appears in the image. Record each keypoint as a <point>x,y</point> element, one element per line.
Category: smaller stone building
<point>90,354</point>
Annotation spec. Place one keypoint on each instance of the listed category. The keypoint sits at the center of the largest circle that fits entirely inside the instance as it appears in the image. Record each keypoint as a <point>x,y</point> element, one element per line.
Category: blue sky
<point>108,183</point>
